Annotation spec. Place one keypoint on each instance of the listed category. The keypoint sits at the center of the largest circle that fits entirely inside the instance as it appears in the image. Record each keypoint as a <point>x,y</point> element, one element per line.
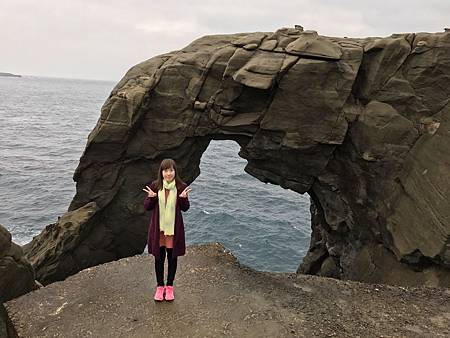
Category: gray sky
<point>100,39</point>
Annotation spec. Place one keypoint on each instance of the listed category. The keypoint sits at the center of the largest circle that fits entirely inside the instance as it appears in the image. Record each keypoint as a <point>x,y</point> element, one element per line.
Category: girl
<point>167,196</point>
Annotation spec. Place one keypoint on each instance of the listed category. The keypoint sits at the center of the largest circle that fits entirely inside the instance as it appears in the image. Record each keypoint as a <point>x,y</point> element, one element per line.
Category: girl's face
<point>168,174</point>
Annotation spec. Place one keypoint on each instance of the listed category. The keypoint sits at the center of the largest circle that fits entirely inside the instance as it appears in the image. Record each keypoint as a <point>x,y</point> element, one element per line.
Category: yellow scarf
<point>167,208</point>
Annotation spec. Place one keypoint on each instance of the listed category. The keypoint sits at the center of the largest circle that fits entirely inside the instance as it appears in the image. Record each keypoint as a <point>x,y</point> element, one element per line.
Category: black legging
<point>159,266</point>
<point>172,267</point>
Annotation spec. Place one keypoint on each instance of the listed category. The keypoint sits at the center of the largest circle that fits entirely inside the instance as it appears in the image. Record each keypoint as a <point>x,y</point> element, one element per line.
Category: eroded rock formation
<point>362,125</point>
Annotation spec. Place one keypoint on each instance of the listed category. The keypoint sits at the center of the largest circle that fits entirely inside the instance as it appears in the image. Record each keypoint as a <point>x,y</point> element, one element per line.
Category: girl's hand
<point>185,192</point>
<point>150,192</point>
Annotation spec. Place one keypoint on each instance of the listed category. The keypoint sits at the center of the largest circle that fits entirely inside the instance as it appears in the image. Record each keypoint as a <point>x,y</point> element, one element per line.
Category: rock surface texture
<point>361,125</point>
<point>215,297</point>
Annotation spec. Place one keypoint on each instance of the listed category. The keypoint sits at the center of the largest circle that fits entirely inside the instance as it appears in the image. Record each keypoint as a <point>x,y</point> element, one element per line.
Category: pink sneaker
<point>159,294</point>
<point>169,294</point>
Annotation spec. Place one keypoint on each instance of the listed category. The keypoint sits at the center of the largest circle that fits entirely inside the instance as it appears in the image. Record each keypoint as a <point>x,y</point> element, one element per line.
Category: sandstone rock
<point>5,241</point>
<point>423,203</point>
<point>359,124</point>
<point>7,329</point>
<point>262,69</point>
<point>246,39</point>
<point>310,44</point>
<point>69,245</point>
<point>16,278</point>
<point>269,45</point>
<point>382,59</point>
<point>381,130</point>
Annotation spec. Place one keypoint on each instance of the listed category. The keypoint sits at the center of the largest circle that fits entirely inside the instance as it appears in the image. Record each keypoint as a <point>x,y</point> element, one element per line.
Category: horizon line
<point>59,77</point>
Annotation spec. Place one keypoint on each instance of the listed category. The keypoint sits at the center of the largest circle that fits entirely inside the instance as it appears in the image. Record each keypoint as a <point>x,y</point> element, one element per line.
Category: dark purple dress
<point>182,204</point>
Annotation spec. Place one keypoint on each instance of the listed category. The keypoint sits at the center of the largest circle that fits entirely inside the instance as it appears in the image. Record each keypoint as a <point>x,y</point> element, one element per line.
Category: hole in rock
<point>266,227</point>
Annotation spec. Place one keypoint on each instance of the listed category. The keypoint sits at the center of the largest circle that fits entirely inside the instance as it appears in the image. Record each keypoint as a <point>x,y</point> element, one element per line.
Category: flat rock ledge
<point>216,296</point>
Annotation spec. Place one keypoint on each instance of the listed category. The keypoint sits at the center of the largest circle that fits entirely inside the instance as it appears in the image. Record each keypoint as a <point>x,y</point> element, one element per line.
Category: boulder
<point>16,278</point>
<point>16,273</point>
<point>70,245</point>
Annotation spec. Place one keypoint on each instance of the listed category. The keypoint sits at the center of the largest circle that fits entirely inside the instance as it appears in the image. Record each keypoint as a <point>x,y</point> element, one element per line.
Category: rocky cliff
<point>361,125</point>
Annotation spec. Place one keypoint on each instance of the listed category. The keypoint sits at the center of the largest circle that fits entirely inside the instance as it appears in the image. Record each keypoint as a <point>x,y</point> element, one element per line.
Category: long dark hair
<point>166,164</point>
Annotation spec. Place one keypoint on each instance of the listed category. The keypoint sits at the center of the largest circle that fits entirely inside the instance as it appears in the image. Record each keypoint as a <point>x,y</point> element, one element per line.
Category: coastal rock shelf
<point>361,125</point>
<point>216,297</point>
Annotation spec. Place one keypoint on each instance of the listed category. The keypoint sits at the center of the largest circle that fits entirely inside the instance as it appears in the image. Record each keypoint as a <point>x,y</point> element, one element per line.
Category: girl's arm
<point>150,202</point>
<point>184,203</point>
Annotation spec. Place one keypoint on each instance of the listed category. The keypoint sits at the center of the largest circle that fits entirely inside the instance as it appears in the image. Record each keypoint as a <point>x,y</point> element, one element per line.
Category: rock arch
<point>362,125</point>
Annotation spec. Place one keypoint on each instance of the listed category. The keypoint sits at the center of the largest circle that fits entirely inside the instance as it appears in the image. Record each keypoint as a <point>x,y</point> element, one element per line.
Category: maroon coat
<point>182,204</point>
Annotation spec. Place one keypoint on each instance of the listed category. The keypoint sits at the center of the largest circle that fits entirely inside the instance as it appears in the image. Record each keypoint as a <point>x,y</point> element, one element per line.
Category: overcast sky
<point>102,39</point>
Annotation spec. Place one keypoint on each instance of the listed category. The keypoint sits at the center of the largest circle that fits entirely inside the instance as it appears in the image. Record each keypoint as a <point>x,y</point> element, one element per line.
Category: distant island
<point>9,75</point>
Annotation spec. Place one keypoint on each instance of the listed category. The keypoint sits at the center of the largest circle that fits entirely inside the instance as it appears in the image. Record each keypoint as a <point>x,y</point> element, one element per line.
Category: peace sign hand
<point>185,192</point>
<point>150,192</point>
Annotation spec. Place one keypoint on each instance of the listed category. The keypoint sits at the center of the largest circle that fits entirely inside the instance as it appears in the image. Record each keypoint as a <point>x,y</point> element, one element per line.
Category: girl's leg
<point>159,263</point>
<point>172,261</point>
<point>159,266</point>
<point>172,268</point>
